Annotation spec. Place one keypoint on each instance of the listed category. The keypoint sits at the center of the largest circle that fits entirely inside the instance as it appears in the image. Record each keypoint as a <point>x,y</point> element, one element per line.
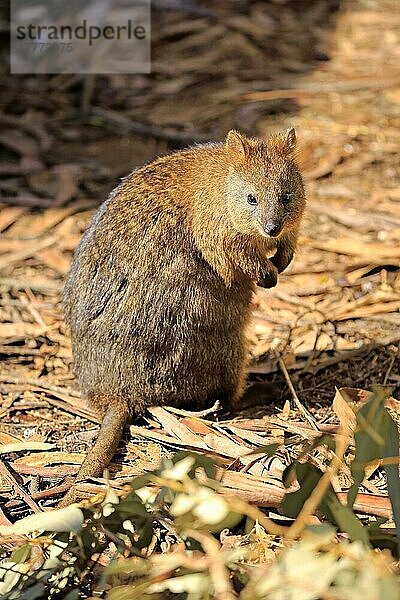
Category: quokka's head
<point>264,187</point>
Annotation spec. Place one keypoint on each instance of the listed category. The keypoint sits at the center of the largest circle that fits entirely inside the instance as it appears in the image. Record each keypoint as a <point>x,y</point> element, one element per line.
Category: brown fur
<point>159,293</point>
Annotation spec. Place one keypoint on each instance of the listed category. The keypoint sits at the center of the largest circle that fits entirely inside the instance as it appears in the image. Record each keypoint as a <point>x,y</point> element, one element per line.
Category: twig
<point>195,413</point>
<point>390,367</point>
<point>219,574</point>
<point>295,397</point>
<point>20,351</point>
<point>69,402</point>
<point>117,119</point>
<point>343,440</point>
<point>18,489</point>
<point>30,201</point>
<point>253,512</point>
<point>49,493</point>
<point>47,287</point>
<point>120,544</point>
<point>342,357</point>
<point>34,312</point>
<point>320,88</point>
<point>44,385</point>
<point>29,251</point>
<point>75,410</point>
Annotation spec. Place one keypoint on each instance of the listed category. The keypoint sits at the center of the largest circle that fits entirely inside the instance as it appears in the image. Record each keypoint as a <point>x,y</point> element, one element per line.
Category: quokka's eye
<point>286,197</point>
<point>252,200</point>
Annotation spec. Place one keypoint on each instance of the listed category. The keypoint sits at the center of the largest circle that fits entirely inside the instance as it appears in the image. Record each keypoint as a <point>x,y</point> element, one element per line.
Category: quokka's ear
<point>237,143</point>
<point>290,140</point>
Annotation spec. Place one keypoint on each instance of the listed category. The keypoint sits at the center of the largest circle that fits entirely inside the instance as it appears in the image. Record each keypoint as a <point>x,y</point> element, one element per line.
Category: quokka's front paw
<point>269,280</point>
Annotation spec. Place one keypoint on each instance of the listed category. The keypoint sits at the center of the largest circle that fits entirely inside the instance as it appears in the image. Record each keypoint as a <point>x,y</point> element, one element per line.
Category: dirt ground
<point>328,69</point>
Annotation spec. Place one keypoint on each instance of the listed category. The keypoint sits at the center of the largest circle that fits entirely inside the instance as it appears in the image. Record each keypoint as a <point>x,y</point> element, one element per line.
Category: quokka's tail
<point>99,457</point>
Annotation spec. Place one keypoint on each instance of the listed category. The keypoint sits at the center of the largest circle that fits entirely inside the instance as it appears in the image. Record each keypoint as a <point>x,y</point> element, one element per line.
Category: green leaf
<point>383,540</point>
<point>87,539</point>
<point>391,450</point>
<point>34,592</point>
<point>231,520</point>
<point>142,481</point>
<point>21,554</point>
<point>248,525</point>
<point>345,518</point>
<point>325,439</point>
<point>373,427</point>
<point>308,477</point>
<point>269,449</point>
<point>145,531</point>
<point>325,532</point>
<point>131,508</point>
<point>73,594</point>
<point>131,592</point>
<point>128,566</point>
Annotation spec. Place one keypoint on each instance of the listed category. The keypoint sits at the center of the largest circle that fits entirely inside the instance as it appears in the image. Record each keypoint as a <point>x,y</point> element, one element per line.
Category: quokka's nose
<point>271,228</point>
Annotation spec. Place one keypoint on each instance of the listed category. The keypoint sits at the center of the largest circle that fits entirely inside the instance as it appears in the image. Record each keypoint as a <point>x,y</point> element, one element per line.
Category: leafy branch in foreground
<point>172,533</point>
<point>376,438</point>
